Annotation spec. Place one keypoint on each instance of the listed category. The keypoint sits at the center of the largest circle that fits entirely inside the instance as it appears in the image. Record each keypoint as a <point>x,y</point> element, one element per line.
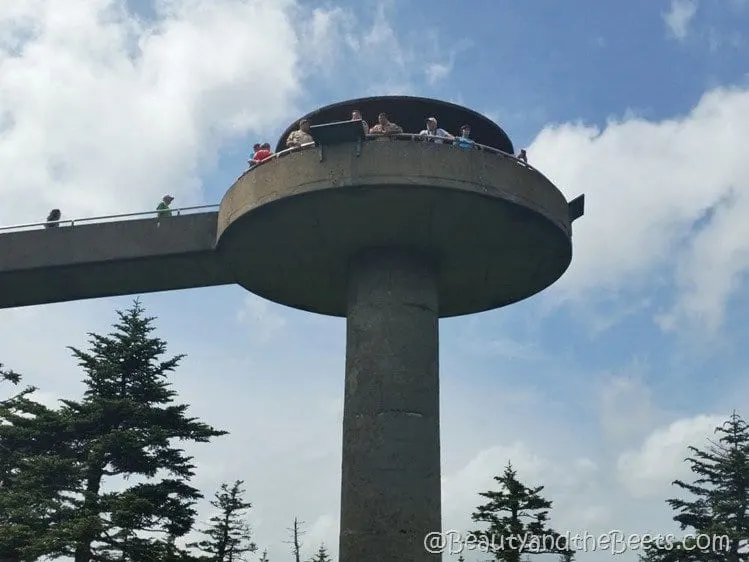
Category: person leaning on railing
<point>464,140</point>
<point>263,153</point>
<point>300,136</point>
<point>163,210</point>
<point>434,133</point>
<point>385,126</point>
<point>255,148</point>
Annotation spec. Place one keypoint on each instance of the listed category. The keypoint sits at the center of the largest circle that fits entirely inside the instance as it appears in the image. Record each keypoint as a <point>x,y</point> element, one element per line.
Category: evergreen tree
<point>10,376</point>
<point>295,542</point>
<point>719,503</point>
<point>517,520</point>
<point>125,426</point>
<point>34,470</point>
<point>228,536</point>
<point>321,555</point>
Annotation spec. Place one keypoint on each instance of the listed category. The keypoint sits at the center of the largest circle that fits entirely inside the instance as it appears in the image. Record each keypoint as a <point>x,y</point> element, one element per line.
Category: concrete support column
<point>390,490</point>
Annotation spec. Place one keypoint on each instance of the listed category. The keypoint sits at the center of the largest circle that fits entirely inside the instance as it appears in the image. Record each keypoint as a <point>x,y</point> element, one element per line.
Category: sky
<point>593,388</point>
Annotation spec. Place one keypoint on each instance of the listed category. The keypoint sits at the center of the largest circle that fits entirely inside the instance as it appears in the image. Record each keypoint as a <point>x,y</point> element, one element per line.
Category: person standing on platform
<point>163,209</point>
<point>434,133</point>
<point>464,140</point>
<point>53,219</point>
<point>385,126</point>
<point>262,153</point>
<point>356,116</point>
<point>300,136</point>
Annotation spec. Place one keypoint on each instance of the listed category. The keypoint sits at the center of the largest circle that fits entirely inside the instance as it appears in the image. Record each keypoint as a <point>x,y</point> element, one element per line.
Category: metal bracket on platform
<point>576,208</point>
<point>338,133</point>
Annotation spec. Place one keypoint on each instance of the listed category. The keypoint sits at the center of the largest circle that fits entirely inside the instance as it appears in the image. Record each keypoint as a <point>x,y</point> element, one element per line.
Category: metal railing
<point>402,137</point>
<point>105,218</point>
<point>443,140</point>
<point>276,155</point>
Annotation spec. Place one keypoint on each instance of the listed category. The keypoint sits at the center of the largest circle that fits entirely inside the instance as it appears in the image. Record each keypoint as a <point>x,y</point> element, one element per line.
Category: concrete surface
<point>390,486</point>
<point>499,231</point>
<point>108,259</point>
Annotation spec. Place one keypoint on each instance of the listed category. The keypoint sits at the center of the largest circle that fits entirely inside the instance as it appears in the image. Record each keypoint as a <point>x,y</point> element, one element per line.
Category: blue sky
<point>593,388</point>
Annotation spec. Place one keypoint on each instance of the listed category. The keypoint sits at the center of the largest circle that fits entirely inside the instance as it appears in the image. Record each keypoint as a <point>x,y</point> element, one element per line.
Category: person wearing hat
<point>163,209</point>
<point>464,140</point>
<point>434,133</point>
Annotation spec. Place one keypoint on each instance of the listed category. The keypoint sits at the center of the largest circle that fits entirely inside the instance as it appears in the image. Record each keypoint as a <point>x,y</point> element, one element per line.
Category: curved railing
<point>395,137</point>
<point>400,137</point>
<point>105,218</point>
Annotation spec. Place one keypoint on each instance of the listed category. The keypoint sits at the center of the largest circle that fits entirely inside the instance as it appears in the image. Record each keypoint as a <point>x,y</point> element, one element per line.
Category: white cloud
<point>439,71</point>
<point>626,404</point>
<point>114,114</point>
<point>665,203</point>
<point>679,17</point>
<point>650,469</point>
<point>125,109</point>
<point>265,320</point>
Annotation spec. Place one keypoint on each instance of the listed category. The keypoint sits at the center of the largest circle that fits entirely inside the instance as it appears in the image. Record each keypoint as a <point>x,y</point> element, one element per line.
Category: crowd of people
<point>384,126</point>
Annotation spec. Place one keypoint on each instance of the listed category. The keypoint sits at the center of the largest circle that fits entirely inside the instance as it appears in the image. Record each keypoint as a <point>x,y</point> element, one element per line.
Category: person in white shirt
<point>434,133</point>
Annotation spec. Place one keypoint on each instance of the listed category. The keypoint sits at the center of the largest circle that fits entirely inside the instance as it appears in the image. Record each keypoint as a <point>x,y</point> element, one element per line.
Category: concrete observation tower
<point>391,233</point>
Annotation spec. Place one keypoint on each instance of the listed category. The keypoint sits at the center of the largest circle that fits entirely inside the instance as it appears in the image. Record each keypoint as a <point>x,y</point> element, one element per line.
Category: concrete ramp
<point>109,259</point>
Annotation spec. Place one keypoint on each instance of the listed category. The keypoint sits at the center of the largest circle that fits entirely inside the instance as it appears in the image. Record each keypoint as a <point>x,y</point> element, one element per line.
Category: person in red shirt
<point>262,154</point>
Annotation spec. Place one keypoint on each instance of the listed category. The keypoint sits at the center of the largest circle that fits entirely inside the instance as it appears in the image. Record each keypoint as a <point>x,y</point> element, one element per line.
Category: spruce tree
<point>10,376</point>
<point>296,544</point>
<point>35,468</point>
<point>517,519</point>
<point>228,537</point>
<point>125,427</point>
<point>321,555</point>
<point>718,510</point>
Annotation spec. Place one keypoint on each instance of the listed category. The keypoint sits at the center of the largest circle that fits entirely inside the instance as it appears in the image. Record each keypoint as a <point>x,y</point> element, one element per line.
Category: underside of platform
<point>499,231</point>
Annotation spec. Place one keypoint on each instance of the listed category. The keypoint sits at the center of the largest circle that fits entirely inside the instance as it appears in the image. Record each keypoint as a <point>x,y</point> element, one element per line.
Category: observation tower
<point>392,233</point>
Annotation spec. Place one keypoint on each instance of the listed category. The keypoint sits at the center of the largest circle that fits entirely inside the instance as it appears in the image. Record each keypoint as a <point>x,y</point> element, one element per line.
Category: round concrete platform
<point>499,231</point>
